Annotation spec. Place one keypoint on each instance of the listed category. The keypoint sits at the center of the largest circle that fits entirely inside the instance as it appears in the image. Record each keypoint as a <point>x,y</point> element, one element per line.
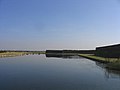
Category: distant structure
<point>71,51</point>
<point>112,51</point>
<point>61,53</point>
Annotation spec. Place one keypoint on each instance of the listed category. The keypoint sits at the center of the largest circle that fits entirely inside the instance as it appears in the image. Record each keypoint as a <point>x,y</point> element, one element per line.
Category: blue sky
<point>58,24</point>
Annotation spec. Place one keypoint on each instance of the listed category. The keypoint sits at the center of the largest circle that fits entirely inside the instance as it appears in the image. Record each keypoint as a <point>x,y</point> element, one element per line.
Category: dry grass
<point>109,60</point>
<point>111,63</point>
<point>12,54</point>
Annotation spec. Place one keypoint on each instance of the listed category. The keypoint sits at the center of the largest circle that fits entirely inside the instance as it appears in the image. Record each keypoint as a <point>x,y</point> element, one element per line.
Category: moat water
<point>38,72</point>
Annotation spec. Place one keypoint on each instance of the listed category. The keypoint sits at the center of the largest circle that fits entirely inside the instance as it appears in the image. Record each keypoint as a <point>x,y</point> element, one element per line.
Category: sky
<point>58,24</point>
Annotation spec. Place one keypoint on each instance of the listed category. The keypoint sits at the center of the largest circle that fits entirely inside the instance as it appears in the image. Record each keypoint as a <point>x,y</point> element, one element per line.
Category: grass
<point>111,63</point>
<point>12,54</point>
<point>99,59</point>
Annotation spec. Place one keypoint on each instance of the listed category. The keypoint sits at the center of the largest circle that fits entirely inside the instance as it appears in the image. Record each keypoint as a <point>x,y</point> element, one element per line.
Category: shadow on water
<point>108,73</point>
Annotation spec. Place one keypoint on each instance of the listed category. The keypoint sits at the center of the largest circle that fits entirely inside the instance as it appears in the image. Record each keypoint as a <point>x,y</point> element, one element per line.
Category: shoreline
<point>110,63</point>
<point>18,53</point>
<point>12,54</point>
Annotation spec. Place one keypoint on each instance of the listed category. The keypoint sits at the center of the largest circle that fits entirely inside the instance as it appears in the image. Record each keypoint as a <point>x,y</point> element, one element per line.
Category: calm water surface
<point>36,72</point>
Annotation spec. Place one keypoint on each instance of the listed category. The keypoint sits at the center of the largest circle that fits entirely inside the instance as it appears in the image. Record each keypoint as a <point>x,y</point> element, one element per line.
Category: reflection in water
<point>108,73</point>
<point>36,72</point>
<point>112,73</point>
<point>63,56</point>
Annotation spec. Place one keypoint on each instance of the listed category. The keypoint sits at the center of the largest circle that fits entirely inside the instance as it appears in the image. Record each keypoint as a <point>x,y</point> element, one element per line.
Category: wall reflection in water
<point>108,73</point>
<point>63,56</point>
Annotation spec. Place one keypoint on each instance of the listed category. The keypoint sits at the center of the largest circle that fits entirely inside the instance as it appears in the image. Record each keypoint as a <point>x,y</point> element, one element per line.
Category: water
<point>36,72</point>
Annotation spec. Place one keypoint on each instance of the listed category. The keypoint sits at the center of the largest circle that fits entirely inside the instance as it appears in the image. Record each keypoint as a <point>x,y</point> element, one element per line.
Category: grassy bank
<point>12,54</point>
<point>19,53</point>
<point>111,63</point>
